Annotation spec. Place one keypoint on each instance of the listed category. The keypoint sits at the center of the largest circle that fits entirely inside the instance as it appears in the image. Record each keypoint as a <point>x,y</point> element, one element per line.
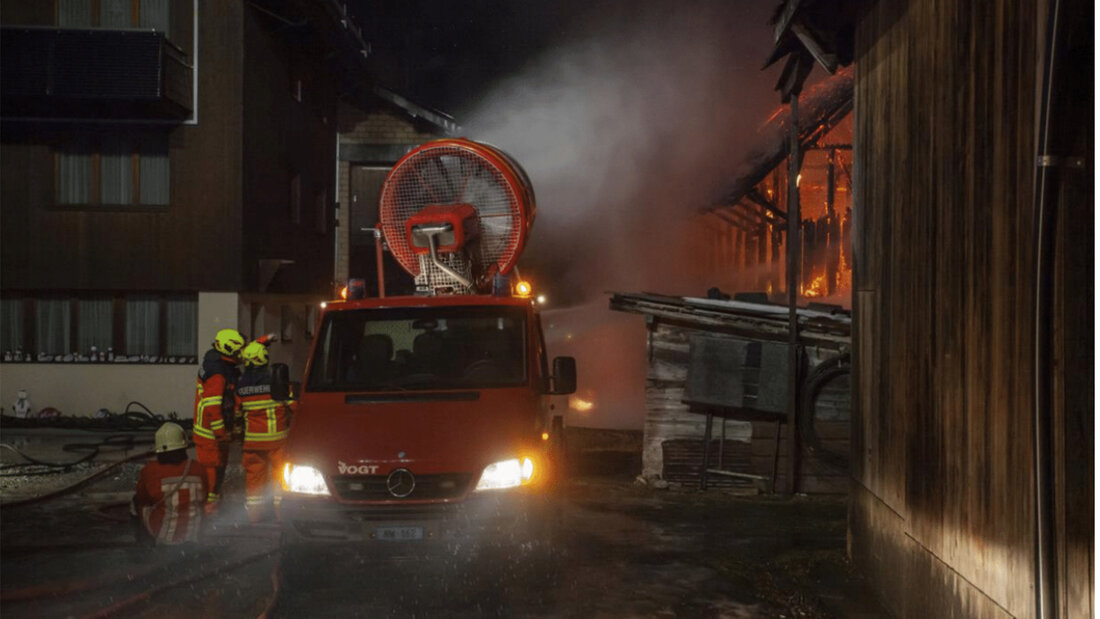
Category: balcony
<point>60,73</point>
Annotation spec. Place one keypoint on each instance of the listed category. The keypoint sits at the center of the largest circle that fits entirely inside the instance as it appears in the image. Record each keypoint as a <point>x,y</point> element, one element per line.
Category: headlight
<point>304,480</point>
<point>506,474</point>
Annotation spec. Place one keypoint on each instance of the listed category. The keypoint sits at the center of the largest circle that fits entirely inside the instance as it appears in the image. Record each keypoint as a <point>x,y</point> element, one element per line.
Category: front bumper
<point>497,517</point>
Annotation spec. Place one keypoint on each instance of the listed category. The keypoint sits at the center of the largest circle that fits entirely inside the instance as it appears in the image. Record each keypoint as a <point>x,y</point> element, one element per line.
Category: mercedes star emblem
<point>400,483</point>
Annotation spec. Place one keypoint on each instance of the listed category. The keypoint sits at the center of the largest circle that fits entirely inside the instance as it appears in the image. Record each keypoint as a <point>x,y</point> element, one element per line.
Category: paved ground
<point>624,550</point>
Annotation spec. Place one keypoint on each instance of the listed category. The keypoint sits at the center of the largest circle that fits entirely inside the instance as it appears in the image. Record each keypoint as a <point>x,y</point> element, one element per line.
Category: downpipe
<point>1045,236</point>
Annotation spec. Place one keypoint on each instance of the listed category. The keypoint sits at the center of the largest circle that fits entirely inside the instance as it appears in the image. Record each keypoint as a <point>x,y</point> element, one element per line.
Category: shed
<point>739,341</point>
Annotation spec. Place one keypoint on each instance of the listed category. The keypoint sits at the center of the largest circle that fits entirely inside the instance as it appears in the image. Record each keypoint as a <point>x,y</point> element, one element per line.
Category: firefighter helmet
<point>228,342</point>
<point>170,437</point>
<point>255,354</point>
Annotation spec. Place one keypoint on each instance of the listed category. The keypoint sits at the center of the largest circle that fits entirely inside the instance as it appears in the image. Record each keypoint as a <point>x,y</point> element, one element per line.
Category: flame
<point>844,273</point>
<point>817,288</point>
<point>581,405</point>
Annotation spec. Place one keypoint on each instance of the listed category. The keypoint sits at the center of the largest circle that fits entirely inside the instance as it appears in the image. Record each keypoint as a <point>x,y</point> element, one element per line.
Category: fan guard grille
<point>459,172</point>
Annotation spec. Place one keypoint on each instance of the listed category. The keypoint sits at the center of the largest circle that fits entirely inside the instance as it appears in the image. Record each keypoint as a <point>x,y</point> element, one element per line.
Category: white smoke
<point>627,129</point>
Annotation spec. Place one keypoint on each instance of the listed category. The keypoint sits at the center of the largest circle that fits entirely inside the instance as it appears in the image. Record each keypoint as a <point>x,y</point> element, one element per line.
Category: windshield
<point>420,348</point>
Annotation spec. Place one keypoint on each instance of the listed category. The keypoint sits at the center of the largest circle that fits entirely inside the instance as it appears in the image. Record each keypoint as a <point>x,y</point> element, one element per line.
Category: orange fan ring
<point>515,183</point>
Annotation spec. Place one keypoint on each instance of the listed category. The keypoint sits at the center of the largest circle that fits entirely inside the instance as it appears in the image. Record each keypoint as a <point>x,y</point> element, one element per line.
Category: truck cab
<point>424,419</point>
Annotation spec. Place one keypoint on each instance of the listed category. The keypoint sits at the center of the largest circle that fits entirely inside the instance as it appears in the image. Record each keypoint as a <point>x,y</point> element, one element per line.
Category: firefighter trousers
<point>262,468</point>
<point>213,455</point>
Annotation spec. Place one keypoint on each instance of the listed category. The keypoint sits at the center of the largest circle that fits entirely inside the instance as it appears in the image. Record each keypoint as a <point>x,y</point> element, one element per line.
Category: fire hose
<point>72,487</point>
<point>124,442</point>
<point>104,420</point>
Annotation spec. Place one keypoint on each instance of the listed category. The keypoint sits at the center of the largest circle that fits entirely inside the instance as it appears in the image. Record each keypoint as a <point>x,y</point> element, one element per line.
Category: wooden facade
<point>942,515</point>
<point>266,114</point>
<point>288,168</point>
<point>244,231</point>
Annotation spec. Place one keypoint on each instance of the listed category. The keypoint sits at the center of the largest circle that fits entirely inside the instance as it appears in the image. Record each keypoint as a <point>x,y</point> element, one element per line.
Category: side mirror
<point>565,375</point>
<point>280,382</point>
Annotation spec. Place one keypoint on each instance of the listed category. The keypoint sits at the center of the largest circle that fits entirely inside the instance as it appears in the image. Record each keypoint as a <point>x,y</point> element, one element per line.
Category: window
<point>150,327</point>
<point>11,325</point>
<point>408,349</point>
<point>117,14</point>
<point>286,323</point>
<point>95,324</point>
<point>114,169</point>
<point>312,315</point>
<point>53,323</point>
<point>143,325</point>
<point>181,322</point>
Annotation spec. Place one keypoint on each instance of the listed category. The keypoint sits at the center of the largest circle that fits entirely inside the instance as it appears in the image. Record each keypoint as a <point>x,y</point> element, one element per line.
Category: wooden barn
<point>973,305</point>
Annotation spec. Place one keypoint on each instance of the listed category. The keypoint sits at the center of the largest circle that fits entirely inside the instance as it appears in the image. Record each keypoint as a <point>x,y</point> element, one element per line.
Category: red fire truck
<point>427,420</point>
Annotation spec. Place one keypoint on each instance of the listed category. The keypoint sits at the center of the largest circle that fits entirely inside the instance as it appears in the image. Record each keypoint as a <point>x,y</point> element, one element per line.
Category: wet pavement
<point>621,549</point>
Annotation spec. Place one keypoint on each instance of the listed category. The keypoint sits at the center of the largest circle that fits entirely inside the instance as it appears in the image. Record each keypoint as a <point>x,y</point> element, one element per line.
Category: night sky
<point>446,54</point>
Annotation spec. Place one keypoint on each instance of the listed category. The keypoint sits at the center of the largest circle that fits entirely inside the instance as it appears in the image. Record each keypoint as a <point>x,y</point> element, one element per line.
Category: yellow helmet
<point>228,342</point>
<point>255,354</point>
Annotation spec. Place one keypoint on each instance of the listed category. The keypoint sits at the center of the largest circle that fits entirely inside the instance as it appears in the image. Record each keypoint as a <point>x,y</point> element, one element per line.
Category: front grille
<point>428,487</point>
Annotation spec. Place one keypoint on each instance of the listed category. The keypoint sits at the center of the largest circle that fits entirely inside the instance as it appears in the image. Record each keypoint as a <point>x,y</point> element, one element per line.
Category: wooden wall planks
<point>944,151</point>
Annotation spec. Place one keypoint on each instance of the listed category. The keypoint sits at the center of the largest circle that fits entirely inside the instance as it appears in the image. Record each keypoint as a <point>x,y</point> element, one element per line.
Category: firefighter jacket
<point>214,398</point>
<point>267,422</point>
<point>169,500</point>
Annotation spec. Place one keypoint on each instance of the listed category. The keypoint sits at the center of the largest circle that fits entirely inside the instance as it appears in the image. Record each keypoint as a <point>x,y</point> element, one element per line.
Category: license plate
<point>398,534</point>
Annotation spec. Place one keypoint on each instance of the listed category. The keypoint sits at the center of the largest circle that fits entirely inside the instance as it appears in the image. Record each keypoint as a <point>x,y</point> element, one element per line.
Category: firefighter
<point>214,406</point>
<point>167,505</point>
<point>266,424</point>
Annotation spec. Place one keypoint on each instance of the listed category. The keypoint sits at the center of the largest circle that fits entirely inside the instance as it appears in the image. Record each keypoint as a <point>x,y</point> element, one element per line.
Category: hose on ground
<point>134,417</point>
<point>34,466</point>
<point>78,484</point>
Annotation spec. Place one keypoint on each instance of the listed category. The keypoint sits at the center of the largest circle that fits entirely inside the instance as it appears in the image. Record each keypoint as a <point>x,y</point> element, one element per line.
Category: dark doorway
<point>365,189</point>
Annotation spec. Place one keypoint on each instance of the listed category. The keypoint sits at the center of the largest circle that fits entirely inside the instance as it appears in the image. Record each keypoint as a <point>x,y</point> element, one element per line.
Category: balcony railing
<point>55,73</point>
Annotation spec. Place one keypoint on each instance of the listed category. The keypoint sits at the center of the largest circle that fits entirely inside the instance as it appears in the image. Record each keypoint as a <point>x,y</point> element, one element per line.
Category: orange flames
<point>817,288</point>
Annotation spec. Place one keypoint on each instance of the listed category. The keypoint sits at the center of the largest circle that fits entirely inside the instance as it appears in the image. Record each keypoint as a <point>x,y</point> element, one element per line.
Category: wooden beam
<point>794,74</point>
<point>784,21</point>
<point>767,204</point>
<point>745,223</point>
<point>827,60</point>
<point>794,163</point>
<point>752,213</point>
<point>729,220</point>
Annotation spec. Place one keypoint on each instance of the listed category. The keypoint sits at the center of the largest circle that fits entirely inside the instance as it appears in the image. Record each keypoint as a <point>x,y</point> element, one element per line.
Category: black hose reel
<point>821,375</point>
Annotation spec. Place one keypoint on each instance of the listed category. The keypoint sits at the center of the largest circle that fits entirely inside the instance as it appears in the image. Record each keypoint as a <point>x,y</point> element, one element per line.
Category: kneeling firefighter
<point>214,406</point>
<point>168,503</point>
<point>266,425</point>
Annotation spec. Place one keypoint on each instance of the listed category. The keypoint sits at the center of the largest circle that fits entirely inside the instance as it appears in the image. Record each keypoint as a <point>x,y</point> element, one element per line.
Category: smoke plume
<point>627,128</point>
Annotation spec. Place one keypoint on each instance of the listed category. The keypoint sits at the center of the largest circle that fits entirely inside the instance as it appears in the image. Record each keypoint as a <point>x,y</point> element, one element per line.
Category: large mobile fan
<point>455,213</point>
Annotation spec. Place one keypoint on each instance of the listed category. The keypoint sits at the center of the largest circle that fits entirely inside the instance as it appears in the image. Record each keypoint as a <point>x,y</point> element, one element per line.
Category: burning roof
<point>823,106</point>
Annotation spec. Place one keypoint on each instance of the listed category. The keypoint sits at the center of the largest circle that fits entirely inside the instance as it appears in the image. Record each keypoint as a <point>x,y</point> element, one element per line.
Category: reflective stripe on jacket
<point>213,387</point>
<point>266,421</point>
<point>208,422</point>
<point>169,499</point>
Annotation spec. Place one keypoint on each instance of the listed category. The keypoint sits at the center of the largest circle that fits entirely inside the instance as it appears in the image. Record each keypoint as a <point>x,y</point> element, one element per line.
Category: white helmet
<point>170,437</point>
